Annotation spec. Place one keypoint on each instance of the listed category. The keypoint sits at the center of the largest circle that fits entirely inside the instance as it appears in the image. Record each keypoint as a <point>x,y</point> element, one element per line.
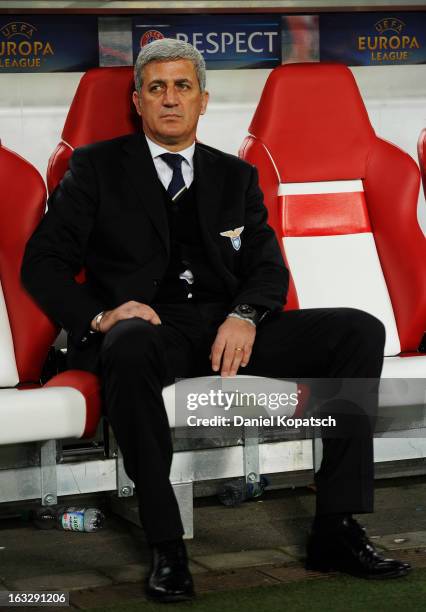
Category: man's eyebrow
<point>162,81</point>
<point>155,81</point>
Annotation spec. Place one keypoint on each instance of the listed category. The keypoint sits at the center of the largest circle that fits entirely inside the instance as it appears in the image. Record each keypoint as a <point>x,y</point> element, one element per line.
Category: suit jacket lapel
<point>210,178</point>
<point>209,196</point>
<point>141,172</point>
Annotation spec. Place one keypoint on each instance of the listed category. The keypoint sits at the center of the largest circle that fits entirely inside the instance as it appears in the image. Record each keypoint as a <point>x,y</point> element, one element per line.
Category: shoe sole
<point>328,568</point>
<point>170,598</point>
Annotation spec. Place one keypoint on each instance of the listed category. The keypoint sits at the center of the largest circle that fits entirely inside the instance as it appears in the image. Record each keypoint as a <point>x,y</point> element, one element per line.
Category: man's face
<point>170,102</point>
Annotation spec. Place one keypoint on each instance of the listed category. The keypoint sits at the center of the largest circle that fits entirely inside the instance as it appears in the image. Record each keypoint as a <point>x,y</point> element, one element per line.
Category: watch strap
<point>235,315</point>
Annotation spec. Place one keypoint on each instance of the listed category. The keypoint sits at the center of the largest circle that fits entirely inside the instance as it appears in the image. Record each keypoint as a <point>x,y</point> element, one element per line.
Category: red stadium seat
<point>69,404</point>
<point>343,203</point>
<point>421,150</point>
<point>102,108</point>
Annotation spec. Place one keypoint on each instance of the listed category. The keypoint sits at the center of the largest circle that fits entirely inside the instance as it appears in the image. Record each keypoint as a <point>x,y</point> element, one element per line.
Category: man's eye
<point>155,88</point>
<point>183,85</point>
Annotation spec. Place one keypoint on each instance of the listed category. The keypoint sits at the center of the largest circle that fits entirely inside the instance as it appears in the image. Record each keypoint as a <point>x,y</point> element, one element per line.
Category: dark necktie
<point>177,185</point>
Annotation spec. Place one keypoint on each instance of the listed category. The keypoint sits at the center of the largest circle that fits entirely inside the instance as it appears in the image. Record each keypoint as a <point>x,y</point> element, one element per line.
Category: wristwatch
<point>248,313</point>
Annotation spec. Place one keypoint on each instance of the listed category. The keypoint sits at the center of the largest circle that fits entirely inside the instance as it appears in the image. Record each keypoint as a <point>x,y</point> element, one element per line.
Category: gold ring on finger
<point>238,349</point>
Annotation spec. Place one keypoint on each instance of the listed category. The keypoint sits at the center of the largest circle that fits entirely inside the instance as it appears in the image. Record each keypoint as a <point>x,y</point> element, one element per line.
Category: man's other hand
<point>127,311</point>
<point>232,346</point>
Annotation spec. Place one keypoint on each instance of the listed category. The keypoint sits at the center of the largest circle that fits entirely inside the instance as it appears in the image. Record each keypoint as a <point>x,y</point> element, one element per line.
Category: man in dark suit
<point>184,276</point>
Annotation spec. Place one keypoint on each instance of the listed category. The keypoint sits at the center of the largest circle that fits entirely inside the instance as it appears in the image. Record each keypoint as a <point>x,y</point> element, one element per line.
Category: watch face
<point>246,310</point>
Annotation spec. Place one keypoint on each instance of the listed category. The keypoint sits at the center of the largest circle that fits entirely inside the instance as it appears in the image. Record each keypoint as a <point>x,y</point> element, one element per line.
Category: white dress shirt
<point>164,171</point>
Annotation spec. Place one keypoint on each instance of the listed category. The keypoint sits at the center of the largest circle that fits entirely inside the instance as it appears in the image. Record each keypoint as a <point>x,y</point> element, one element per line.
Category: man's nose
<point>170,96</point>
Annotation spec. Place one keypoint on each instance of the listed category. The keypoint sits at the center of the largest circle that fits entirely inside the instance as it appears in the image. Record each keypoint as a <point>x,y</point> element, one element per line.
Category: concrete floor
<point>259,542</point>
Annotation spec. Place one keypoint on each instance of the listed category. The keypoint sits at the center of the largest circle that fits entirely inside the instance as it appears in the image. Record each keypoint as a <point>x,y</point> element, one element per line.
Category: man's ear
<point>204,101</point>
<point>137,102</point>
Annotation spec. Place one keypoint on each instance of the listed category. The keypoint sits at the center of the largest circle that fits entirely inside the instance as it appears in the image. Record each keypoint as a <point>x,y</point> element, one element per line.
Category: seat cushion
<point>41,414</point>
<point>403,381</point>
<point>69,405</point>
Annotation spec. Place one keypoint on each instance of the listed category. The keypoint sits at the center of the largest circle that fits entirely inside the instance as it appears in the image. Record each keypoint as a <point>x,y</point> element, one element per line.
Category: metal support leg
<point>125,486</point>
<point>251,455</point>
<point>316,452</point>
<point>185,499</point>
<point>48,476</point>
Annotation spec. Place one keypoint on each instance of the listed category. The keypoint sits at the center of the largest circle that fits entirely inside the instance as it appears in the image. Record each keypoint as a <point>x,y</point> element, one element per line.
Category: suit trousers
<point>137,359</point>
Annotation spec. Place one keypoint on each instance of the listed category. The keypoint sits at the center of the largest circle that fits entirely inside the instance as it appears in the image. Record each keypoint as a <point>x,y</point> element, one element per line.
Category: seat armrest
<point>89,386</point>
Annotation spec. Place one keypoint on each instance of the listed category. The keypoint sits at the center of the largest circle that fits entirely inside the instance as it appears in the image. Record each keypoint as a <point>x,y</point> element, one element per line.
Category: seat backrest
<point>101,109</point>
<point>421,150</point>
<point>25,332</point>
<point>342,201</point>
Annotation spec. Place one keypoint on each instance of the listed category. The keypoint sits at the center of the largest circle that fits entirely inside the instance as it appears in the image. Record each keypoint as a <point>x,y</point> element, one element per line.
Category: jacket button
<point>155,283</point>
<point>84,339</point>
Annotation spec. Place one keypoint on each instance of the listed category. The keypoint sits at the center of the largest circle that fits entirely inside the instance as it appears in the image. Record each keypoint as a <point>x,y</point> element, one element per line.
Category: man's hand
<point>232,346</point>
<point>127,311</point>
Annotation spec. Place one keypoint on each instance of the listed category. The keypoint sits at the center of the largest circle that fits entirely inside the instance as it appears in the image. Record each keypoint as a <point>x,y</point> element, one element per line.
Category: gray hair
<point>169,49</point>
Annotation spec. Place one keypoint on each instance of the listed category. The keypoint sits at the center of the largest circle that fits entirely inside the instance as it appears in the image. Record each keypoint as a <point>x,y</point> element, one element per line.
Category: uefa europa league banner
<point>373,39</point>
<point>75,43</point>
<point>48,43</point>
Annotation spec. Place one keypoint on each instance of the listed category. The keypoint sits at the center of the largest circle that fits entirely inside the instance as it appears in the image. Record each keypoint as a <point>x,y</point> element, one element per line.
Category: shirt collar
<point>156,150</point>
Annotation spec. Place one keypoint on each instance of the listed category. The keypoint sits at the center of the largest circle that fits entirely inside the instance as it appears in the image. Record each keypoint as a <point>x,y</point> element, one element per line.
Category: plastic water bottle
<point>235,493</point>
<point>69,519</point>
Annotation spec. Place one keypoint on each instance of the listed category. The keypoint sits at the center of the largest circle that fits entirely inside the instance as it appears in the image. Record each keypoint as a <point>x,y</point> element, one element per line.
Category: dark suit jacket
<point>107,215</point>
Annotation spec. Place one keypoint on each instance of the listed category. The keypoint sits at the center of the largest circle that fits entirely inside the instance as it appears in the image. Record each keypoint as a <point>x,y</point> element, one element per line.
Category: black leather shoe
<point>170,579</point>
<point>346,548</point>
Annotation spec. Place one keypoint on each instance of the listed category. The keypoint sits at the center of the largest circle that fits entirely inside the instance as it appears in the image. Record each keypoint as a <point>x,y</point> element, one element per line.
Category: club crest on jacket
<point>234,235</point>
